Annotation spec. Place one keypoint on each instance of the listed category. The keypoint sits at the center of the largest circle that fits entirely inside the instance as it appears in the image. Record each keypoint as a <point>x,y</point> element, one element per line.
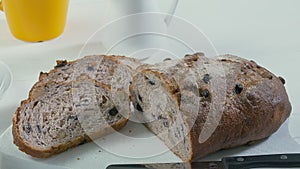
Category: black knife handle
<point>263,161</point>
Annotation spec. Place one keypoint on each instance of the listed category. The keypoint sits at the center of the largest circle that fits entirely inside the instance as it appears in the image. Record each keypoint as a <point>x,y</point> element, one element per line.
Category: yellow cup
<point>35,20</point>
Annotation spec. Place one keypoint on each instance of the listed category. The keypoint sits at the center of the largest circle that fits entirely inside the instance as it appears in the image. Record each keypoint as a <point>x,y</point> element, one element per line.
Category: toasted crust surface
<point>252,114</point>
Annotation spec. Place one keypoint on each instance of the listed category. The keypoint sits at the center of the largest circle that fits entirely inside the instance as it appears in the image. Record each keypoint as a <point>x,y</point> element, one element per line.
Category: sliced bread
<point>75,102</point>
<point>200,105</point>
<point>115,71</point>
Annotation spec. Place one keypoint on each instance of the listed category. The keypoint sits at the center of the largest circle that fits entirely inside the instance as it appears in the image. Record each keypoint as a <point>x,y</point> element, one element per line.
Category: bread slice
<point>115,71</point>
<point>74,103</point>
<point>200,105</point>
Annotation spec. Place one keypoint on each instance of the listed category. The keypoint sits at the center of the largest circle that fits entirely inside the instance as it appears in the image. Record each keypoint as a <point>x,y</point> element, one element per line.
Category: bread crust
<point>254,114</point>
<point>256,103</point>
<point>36,92</point>
<point>45,153</point>
<point>36,89</point>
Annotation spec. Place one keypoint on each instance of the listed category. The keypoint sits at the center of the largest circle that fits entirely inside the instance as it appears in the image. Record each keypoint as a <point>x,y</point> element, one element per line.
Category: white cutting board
<point>92,156</point>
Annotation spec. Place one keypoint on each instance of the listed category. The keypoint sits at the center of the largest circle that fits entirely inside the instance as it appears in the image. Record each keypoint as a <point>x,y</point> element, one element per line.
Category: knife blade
<point>238,162</point>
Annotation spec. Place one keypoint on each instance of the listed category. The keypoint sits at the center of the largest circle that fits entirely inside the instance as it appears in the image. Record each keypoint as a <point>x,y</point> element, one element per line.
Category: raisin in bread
<point>200,105</point>
<point>74,103</point>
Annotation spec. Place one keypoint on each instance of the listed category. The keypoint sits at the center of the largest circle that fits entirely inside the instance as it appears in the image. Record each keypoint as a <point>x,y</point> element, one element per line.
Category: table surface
<point>266,31</point>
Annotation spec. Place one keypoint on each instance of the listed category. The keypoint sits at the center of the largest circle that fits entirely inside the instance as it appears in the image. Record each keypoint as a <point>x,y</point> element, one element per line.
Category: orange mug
<point>35,20</point>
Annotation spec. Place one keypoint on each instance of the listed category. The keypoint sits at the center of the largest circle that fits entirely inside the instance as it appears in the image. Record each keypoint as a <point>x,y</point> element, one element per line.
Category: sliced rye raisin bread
<point>200,105</point>
<point>74,103</point>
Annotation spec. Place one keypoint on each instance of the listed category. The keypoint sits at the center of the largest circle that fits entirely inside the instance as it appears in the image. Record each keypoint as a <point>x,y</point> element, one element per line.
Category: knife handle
<point>277,160</point>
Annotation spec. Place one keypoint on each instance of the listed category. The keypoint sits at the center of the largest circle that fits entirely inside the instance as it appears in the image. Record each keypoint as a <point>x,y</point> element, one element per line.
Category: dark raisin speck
<point>139,108</point>
<point>61,64</point>
<point>28,128</point>
<point>113,111</point>
<point>188,56</point>
<point>238,88</point>
<point>73,117</point>
<point>204,93</point>
<point>104,99</point>
<point>166,124</point>
<point>151,82</point>
<point>90,68</point>
<point>248,66</point>
<point>39,128</point>
<point>207,78</point>
<point>282,80</point>
<point>35,103</point>
<point>140,98</point>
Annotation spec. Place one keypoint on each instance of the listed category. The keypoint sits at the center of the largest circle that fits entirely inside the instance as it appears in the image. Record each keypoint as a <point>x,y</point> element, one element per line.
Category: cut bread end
<point>69,115</point>
<point>158,108</point>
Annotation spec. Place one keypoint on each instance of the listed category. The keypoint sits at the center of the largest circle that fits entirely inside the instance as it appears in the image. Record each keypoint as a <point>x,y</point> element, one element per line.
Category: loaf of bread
<point>195,105</point>
<point>200,105</point>
<point>74,103</point>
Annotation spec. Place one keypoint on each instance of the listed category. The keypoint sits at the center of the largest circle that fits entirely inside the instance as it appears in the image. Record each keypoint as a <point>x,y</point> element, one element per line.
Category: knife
<point>238,162</point>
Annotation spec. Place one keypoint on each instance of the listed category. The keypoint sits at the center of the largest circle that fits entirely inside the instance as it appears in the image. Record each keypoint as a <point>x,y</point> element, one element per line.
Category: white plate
<point>93,156</point>
<point>89,156</point>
